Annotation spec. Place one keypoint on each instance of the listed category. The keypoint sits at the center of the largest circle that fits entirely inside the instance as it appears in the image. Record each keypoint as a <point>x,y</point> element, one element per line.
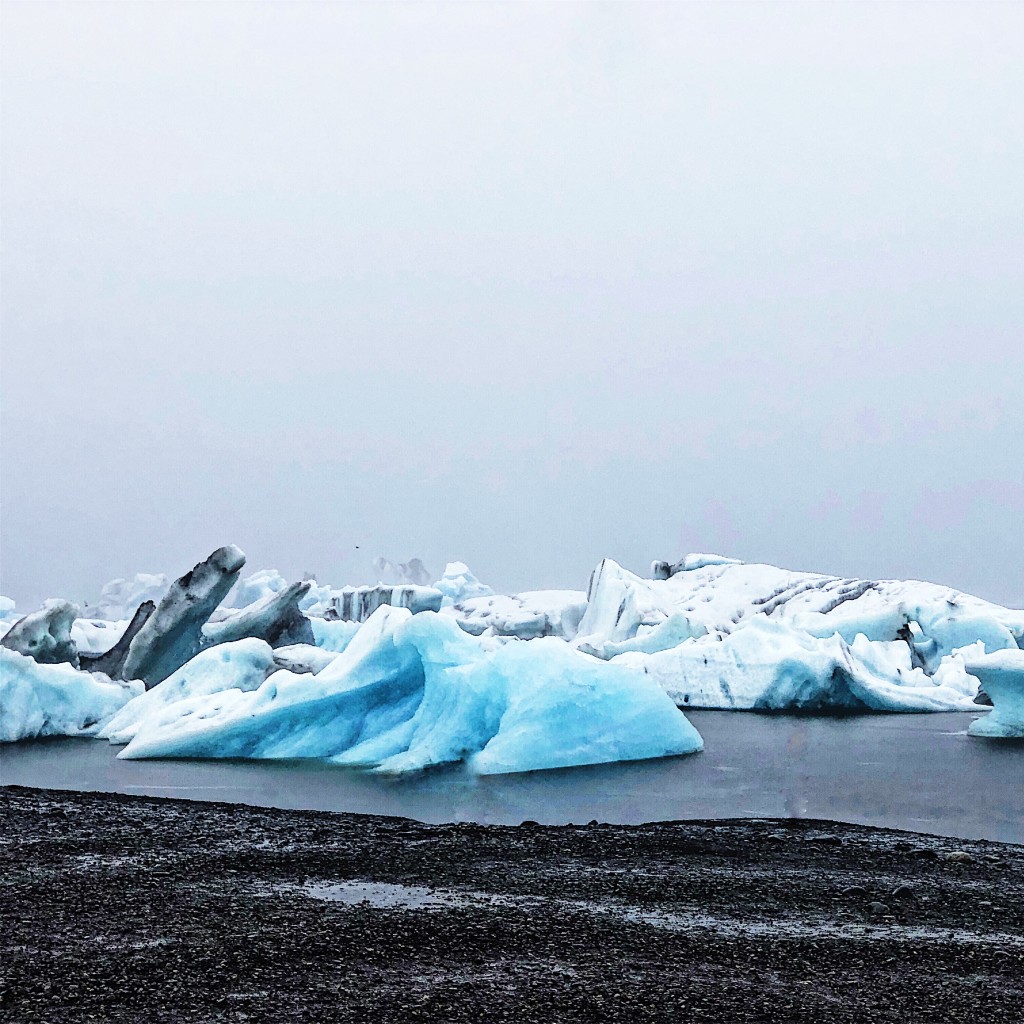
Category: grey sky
<point>524,285</point>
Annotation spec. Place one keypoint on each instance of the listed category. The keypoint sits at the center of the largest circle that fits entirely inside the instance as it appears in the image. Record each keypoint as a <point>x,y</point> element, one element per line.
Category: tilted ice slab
<point>239,665</point>
<point>413,691</point>
<point>1002,678</point>
<point>54,700</point>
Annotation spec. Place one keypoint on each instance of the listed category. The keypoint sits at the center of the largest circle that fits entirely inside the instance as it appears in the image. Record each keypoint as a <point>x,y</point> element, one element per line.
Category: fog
<point>524,285</point>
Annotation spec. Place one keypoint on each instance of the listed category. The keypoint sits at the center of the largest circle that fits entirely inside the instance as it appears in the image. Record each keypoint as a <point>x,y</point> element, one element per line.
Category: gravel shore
<point>120,908</point>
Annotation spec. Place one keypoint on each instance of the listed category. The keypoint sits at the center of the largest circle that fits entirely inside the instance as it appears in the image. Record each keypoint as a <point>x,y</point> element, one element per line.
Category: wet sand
<point>120,908</point>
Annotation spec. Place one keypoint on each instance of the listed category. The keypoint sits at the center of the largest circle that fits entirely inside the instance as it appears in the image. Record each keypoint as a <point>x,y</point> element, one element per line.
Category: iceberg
<point>708,600</point>
<point>411,691</point>
<point>45,635</point>
<point>54,699</point>
<point>1002,678</point>
<point>239,665</point>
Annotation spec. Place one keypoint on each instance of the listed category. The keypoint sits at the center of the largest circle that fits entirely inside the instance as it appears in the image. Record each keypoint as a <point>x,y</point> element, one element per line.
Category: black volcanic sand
<point>119,908</point>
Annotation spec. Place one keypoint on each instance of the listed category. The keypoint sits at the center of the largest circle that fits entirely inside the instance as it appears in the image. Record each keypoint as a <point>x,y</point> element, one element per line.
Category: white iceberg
<point>791,639</point>
<point>1002,678</point>
<point>54,700</point>
<point>769,665</point>
<point>413,691</point>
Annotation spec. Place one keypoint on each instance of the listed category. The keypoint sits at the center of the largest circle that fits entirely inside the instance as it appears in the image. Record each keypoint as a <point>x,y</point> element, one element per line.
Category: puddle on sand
<point>385,895</point>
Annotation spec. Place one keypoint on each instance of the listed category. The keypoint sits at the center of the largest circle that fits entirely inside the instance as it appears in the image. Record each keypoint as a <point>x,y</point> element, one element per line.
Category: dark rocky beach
<point>120,908</point>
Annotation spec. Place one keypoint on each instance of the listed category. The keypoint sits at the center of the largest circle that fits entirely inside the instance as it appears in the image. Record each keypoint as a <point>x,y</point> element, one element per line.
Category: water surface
<point>916,772</point>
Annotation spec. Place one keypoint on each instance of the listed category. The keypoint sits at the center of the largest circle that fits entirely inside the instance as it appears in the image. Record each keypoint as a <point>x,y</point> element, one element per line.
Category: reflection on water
<point>919,772</point>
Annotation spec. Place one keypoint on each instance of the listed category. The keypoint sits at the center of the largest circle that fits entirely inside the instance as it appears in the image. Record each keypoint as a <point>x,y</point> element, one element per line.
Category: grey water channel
<point>916,772</point>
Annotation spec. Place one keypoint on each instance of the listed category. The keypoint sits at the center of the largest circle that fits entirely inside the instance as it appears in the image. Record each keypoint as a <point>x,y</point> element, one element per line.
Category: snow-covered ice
<point>412,691</point>
<point>54,700</point>
<point>1002,678</point>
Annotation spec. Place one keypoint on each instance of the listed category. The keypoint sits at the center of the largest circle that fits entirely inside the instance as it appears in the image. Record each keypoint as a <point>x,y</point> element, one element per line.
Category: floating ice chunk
<point>458,584</point>
<point>275,618</point>
<point>173,633</point>
<point>618,603</point>
<point>45,636</point>
<point>1002,678</point>
<point>54,700</point>
<point>7,612</point>
<point>413,691</point>
<point>375,683</point>
<point>239,665</point>
<point>769,665</point>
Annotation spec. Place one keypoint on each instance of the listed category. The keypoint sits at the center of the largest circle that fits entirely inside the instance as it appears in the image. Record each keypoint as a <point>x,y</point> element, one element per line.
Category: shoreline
<point>125,907</point>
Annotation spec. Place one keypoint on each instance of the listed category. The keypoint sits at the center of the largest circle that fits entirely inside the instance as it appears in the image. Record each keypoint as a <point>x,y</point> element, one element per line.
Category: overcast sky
<point>525,285</point>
